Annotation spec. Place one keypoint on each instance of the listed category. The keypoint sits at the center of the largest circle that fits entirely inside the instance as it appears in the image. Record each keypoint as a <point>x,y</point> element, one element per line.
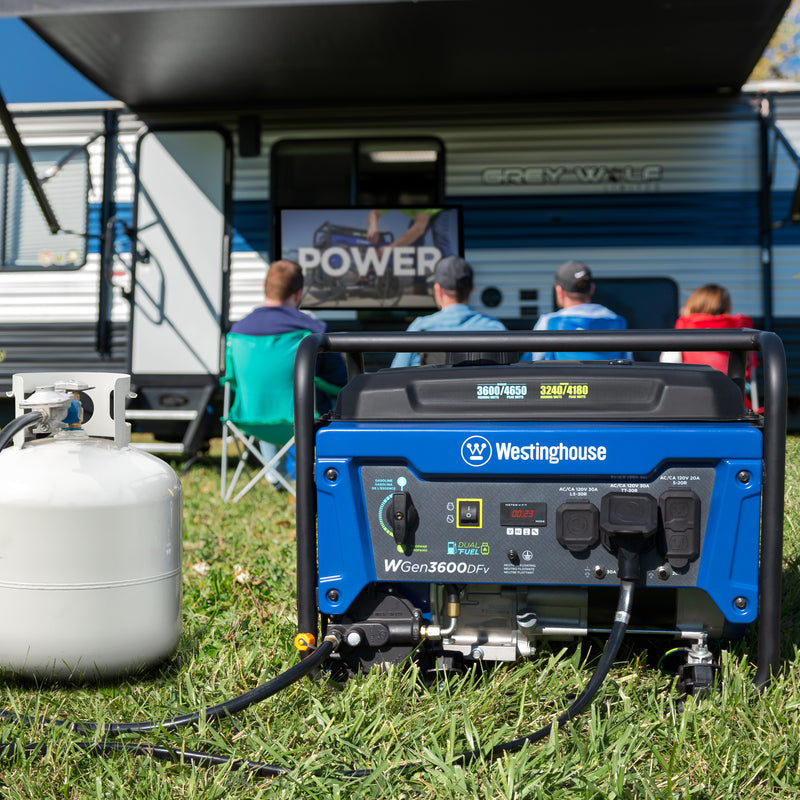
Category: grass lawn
<point>634,741</point>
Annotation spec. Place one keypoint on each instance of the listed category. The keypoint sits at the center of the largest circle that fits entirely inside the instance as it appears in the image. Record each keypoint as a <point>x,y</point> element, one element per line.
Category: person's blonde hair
<point>284,278</point>
<point>709,299</point>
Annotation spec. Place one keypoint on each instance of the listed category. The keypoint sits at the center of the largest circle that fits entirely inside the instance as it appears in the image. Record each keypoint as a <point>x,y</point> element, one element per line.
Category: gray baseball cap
<point>452,273</point>
<point>574,276</point>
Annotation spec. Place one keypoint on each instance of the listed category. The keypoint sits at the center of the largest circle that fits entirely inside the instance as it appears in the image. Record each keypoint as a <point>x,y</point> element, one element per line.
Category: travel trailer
<point>169,210</point>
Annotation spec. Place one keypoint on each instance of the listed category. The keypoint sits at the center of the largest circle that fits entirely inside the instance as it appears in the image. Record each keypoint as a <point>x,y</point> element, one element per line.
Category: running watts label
<point>501,389</point>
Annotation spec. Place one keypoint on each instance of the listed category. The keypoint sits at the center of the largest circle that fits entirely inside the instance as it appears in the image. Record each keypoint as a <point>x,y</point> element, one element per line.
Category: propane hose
<point>19,424</point>
<point>618,629</point>
<point>172,754</point>
<point>224,709</point>
<point>285,679</point>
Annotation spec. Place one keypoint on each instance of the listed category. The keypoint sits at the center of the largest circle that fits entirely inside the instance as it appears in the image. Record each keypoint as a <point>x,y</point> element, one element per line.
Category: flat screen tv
<point>362,258</point>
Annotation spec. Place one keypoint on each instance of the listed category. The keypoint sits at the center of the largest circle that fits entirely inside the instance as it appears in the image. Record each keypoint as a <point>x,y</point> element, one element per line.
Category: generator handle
<point>306,514</point>
<point>772,500</point>
<point>774,433</point>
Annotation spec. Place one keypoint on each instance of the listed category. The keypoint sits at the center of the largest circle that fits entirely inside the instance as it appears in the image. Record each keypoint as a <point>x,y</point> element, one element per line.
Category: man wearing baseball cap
<point>452,284</point>
<point>574,288</point>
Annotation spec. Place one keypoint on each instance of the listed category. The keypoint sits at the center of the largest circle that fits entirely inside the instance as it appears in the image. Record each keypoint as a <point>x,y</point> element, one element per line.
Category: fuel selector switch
<point>402,518</point>
<point>577,525</point>
<point>679,542</point>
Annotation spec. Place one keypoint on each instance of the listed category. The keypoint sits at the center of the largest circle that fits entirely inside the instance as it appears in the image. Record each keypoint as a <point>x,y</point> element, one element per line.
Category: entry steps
<point>192,423</point>
<point>161,415</point>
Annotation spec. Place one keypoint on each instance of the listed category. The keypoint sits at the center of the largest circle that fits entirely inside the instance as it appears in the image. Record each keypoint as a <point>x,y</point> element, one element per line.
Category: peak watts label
<point>563,390</point>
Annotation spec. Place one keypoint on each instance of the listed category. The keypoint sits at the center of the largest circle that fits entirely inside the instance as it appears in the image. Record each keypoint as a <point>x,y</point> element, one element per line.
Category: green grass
<point>633,742</point>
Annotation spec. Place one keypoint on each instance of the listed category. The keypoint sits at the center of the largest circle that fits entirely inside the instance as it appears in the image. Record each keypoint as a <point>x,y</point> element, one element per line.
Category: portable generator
<point>472,510</point>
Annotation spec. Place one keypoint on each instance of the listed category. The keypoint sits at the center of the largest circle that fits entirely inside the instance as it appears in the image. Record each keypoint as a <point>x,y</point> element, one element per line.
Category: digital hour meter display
<point>523,514</point>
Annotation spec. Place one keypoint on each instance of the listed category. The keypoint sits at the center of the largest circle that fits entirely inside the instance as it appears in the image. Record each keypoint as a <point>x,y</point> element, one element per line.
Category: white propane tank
<point>90,542</point>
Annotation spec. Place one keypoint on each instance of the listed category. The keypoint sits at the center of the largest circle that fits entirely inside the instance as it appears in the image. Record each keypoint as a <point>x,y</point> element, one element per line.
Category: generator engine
<point>469,512</point>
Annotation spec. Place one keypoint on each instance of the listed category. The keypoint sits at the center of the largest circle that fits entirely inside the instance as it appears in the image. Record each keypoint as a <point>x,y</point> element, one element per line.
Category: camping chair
<point>719,359</point>
<point>575,323</point>
<point>258,404</point>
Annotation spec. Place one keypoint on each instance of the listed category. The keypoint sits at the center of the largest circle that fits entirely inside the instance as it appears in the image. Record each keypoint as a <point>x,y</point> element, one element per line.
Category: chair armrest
<point>329,388</point>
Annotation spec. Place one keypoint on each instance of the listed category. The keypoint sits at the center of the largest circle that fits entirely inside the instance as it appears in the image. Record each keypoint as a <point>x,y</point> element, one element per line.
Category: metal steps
<point>195,420</point>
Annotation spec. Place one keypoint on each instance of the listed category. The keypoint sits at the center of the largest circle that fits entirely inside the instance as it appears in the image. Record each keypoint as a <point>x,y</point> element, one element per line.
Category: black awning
<point>261,53</point>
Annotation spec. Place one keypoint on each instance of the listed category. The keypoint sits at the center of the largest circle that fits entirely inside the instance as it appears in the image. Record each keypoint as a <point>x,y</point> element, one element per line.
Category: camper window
<point>357,172</point>
<point>26,242</point>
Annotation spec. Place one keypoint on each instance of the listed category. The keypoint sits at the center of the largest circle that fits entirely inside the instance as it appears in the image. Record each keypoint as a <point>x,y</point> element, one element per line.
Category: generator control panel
<point>545,532</point>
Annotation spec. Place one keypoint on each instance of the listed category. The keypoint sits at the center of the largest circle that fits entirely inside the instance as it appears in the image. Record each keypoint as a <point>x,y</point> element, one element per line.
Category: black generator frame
<point>737,342</point>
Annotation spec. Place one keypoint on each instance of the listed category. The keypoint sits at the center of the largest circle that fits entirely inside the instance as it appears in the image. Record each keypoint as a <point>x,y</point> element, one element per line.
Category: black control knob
<point>402,518</point>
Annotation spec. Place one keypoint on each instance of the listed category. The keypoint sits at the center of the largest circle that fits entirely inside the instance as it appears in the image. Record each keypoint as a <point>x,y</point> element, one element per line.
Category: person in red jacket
<point>710,307</point>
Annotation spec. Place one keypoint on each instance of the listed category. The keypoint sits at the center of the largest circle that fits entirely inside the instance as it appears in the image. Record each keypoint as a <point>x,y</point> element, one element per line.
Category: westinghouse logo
<point>552,453</point>
<point>477,451</point>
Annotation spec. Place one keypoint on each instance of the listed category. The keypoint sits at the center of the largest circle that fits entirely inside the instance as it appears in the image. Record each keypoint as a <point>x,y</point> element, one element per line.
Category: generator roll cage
<point>738,342</point>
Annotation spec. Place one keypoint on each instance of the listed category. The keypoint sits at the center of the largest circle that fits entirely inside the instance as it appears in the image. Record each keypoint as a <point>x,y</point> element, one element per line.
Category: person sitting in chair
<point>280,314</point>
<point>452,286</point>
<point>574,289</point>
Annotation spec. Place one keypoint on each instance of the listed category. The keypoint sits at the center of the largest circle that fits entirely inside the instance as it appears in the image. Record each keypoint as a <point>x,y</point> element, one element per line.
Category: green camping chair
<point>258,404</point>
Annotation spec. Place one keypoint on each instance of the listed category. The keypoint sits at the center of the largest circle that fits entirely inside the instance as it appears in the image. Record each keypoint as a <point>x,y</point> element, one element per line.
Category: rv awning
<point>261,53</point>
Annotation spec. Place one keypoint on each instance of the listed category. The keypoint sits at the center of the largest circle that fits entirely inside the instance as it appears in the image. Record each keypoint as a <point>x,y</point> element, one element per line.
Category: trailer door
<point>182,224</point>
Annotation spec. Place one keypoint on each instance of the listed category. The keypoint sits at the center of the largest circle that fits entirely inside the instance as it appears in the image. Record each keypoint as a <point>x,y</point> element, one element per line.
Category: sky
<point>31,72</point>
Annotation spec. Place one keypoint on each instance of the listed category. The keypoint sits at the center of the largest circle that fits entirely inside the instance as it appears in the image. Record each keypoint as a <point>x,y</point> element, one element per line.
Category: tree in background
<point>781,59</point>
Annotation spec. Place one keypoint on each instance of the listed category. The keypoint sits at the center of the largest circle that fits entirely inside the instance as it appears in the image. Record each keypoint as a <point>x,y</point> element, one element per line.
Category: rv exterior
<point>658,197</point>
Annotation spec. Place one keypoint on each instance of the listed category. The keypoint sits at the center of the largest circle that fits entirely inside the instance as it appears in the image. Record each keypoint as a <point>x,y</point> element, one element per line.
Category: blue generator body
<point>472,511</point>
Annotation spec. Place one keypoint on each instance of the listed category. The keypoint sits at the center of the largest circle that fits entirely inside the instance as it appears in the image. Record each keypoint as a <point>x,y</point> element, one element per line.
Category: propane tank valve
<point>57,403</point>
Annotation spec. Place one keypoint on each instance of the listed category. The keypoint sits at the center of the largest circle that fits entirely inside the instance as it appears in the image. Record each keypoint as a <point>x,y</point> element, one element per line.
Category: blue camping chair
<point>258,405</point>
<point>574,323</point>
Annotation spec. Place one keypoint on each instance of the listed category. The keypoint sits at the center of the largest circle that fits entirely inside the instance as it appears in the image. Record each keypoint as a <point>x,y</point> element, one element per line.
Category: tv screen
<point>362,258</point>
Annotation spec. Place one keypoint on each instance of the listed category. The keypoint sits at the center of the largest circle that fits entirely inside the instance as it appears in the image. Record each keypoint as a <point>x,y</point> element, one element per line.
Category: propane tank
<point>90,537</point>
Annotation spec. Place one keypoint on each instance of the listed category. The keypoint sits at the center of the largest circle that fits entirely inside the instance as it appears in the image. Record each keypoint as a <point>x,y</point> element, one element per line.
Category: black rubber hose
<point>618,629</point>
<point>172,754</point>
<point>620,626</point>
<point>19,424</point>
<point>261,769</point>
<point>225,709</point>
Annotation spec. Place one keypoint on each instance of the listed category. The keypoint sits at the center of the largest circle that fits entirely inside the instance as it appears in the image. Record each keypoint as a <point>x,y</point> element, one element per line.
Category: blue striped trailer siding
<point>668,197</point>
<point>659,191</point>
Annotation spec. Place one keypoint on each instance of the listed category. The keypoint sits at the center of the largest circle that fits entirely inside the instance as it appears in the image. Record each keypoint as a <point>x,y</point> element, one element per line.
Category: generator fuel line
<point>629,568</point>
